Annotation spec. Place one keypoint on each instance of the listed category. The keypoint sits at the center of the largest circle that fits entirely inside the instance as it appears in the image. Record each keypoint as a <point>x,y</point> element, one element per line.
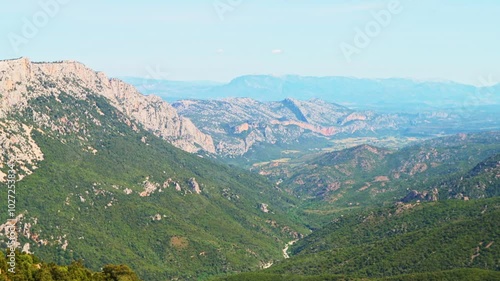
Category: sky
<point>218,40</point>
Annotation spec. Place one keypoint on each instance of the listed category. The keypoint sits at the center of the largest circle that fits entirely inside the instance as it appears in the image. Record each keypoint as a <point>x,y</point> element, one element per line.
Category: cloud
<point>220,51</point>
<point>277,51</point>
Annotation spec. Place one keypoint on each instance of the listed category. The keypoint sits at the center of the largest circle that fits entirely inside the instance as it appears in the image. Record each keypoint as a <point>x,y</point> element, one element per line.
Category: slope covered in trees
<point>108,191</point>
<point>418,241</point>
<point>31,268</point>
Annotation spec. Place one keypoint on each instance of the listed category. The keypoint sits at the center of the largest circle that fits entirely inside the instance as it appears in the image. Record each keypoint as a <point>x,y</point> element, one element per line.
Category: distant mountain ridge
<point>393,94</point>
<point>240,124</point>
<point>251,113</point>
<point>244,126</point>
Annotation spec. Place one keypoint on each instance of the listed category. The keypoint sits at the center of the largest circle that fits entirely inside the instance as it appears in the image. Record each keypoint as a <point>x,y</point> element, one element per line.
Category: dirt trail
<point>285,250</point>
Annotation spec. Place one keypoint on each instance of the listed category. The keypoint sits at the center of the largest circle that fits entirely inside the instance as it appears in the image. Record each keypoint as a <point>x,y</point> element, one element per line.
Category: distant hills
<point>172,90</point>
<point>257,115</point>
<point>239,125</point>
<point>253,131</point>
<point>455,167</point>
<point>387,95</point>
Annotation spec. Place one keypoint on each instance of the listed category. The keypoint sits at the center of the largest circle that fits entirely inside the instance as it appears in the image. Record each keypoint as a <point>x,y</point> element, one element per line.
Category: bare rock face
<point>194,185</point>
<point>434,195</point>
<point>241,128</point>
<point>264,208</point>
<point>149,188</point>
<point>413,195</point>
<point>425,195</point>
<point>15,139</point>
<point>238,124</point>
<point>22,80</point>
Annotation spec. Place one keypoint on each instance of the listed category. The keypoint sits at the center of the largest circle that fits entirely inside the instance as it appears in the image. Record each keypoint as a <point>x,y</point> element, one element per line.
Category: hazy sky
<point>221,39</point>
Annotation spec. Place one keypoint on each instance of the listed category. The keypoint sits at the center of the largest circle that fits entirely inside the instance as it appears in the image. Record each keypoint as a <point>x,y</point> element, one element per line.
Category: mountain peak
<point>15,59</point>
<point>22,80</point>
<point>26,62</point>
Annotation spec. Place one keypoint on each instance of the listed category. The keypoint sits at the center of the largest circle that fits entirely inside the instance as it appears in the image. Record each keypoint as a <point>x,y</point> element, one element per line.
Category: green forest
<point>31,268</point>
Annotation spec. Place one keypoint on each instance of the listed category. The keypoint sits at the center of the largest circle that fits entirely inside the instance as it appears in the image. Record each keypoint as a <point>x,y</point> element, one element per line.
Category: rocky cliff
<point>22,80</point>
<point>239,124</point>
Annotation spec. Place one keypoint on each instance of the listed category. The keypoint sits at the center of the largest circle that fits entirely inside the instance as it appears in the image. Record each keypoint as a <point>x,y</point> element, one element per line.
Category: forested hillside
<point>31,268</point>
<point>105,190</point>
<point>418,241</point>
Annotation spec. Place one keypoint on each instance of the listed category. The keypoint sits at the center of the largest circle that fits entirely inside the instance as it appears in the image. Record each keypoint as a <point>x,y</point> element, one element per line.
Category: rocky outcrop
<point>424,196</point>
<point>194,186</point>
<point>238,124</point>
<point>264,207</point>
<point>149,188</point>
<point>22,80</point>
<point>241,128</point>
<point>18,147</point>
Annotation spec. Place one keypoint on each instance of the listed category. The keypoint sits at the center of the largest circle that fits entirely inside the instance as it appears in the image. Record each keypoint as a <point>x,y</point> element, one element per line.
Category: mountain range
<point>388,95</point>
<point>255,131</point>
<point>256,118</point>
<point>205,189</point>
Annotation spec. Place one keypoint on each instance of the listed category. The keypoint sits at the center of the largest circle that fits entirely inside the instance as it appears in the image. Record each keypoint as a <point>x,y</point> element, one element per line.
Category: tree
<point>119,273</point>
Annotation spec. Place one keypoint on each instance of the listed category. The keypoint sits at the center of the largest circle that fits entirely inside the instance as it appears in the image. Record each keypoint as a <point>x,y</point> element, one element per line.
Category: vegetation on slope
<point>367,176</point>
<point>448,240</point>
<point>404,239</point>
<point>467,274</point>
<point>83,201</point>
<point>30,268</point>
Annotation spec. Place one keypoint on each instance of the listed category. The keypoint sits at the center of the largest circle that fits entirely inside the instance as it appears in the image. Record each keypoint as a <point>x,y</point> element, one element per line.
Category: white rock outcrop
<point>264,207</point>
<point>22,80</point>
<point>194,185</point>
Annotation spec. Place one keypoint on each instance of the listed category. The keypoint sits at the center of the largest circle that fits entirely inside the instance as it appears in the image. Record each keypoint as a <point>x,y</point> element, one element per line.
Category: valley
<point>231,140</point>
<point>241,189</point>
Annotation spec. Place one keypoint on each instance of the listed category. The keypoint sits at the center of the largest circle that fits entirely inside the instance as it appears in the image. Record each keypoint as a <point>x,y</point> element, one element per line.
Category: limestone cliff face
<point>239,124</point>
<point>22,80</point>
<point>16,140</point>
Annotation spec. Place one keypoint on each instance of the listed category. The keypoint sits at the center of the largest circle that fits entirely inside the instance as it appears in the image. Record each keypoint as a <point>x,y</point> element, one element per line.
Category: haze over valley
<point>240,140</point>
